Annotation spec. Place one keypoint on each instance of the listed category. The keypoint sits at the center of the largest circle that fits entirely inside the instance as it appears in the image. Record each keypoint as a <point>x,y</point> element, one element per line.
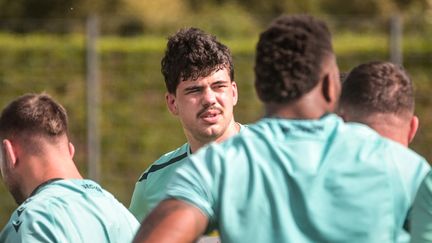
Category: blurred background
<point>101,60</point>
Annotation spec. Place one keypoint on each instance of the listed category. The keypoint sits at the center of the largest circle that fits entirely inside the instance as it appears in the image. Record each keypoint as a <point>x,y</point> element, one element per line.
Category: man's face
<point>205,106</point>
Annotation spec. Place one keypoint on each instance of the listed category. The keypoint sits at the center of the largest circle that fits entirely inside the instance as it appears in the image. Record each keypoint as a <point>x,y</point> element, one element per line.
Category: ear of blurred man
<point>71,150</point>
<point>414,124</point>
<point>331,87</point>
<point>10,154</point>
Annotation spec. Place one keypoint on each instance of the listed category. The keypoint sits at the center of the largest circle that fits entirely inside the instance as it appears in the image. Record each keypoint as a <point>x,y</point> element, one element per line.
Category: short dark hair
<point>33,114</point>
<point>378,86</point>
<point>191,54</point>
<point>289,58</point>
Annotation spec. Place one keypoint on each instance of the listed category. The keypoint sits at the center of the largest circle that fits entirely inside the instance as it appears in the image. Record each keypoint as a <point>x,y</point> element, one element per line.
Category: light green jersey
<point>70,211</point>
<point>150,187</point>
<point>421,223</point>
<point>303,181</point>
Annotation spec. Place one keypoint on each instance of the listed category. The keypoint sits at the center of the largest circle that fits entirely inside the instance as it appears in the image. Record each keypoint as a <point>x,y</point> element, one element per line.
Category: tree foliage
<point>145,15</point>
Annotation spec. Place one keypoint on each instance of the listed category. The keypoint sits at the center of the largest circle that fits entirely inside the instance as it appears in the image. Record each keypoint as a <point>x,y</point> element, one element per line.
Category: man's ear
<point>331,88</point>
<point>171,103</point>
<point>326,88</point>
<point>71,150</point>
<point>414,124</point>
<point>235,92</point>
<point>10,152</point>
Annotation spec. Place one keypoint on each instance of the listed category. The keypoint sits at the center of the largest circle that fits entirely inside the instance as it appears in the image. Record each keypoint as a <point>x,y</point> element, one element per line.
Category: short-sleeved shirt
<point>303,181</point>
<point>421,222</point>
<point>150,187</point>
<point>72,210</point>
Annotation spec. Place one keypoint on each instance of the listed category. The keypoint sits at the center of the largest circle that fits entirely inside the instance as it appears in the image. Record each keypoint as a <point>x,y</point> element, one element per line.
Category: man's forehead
<point>219,76</point>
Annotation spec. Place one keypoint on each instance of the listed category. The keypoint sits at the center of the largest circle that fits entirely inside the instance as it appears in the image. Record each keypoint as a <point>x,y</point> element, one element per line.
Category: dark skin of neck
<point>312,105</point>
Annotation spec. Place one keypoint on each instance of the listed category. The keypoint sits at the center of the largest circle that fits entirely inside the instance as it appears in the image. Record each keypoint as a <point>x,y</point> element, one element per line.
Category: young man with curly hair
<point>380,95</point>
<point>300,174</point>
<point>199,77</point>
<point>55,203</point>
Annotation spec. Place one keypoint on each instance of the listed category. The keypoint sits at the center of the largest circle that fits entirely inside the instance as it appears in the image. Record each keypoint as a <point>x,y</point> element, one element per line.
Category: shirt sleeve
<point>138,206</point>
<point>34,226</point>
<point>421,215</point>
<point>197,180</point>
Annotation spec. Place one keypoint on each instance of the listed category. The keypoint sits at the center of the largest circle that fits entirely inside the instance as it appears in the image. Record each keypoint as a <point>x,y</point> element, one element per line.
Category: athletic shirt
<point>303,181</point>
<point>72,210</point>
<point>421,226</point>
<point>150,187</point>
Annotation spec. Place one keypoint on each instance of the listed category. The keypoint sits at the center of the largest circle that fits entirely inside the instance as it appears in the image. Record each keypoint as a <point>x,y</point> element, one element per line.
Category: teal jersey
<point>421,223</point>
<point>70,211</point>
<point>303,181</point>
<point>151,186</point>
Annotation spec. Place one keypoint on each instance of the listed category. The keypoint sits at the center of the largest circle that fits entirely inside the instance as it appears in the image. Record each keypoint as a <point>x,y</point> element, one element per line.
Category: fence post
<point>93,98</point>
<point>396,39</point>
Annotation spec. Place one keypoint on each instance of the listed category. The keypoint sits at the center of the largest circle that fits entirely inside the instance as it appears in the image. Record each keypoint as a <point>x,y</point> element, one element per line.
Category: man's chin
<point>212,133</point>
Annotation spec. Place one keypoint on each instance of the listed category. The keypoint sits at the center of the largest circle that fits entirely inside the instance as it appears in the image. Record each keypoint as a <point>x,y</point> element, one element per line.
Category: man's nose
<point>209,97</point>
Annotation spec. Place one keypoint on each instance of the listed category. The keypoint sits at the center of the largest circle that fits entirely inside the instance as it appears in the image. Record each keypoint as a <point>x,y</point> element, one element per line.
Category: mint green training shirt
<point>421,223</point>
<point>70,211</point>
<point>303,181</point>
<point>151,186</point>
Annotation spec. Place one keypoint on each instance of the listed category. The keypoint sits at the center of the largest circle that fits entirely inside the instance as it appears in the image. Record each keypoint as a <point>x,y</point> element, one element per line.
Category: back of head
<point>377,87</point>
<point>289,59</point>
<point>33,115</point>
<point>191,54</point>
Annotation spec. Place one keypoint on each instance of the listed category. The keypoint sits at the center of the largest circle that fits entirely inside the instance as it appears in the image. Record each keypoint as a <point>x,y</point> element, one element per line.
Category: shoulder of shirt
<point>36,207</point>
<point>40,209</point>
<point>180,152</point>
<point>360,132</point>
<point>169,158</point>
<point>56,192</point>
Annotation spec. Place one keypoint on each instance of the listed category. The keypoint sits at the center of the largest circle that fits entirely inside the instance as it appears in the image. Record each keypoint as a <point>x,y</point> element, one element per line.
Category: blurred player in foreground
<point>55,203</point>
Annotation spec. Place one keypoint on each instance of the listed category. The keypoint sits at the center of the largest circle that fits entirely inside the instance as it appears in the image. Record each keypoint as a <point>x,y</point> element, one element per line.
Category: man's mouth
<point>210,116</point>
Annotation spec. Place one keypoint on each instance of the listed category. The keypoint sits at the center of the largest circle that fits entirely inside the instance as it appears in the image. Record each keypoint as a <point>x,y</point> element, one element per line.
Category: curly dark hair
<point>378,86</point>
<point>289,57</point>
<point>191,54</point>
<point>34,114</point>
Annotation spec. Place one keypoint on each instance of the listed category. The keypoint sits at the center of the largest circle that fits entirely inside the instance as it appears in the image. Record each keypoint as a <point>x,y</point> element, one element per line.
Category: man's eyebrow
<point>222,81</point>
<point>192,87</point>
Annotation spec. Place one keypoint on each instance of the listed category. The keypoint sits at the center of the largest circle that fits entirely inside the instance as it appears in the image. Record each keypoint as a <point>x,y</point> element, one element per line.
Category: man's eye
<point>221,86</point>
<point>191,91</point>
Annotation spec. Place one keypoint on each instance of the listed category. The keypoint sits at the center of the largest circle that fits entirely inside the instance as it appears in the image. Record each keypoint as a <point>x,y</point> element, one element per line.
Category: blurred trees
<point>241,15</point>
<point>54,8</point>
<point>42,12</point>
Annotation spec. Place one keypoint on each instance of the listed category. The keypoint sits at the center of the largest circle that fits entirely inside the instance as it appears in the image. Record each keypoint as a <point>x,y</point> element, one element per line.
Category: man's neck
<point>309,106</point>
<point>388,125</point>
<point>44,169</point>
